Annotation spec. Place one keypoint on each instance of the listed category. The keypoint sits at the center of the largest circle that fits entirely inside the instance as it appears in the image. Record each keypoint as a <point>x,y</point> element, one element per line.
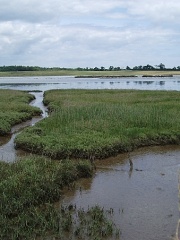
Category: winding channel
<point>144,196</point>
<point>8,153</point>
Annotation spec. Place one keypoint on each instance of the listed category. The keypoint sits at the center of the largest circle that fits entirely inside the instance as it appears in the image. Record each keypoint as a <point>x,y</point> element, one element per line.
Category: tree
<point>117,69</point>
<point>138,67</point>
<point>111,68</point>
<point>148,67</point>
<point>102,68</point>
<point>128,68</point>
<point>96,69</point>
<point>161,66</point>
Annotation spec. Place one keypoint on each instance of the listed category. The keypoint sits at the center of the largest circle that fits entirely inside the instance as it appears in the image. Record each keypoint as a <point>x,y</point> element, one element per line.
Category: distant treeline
<point>28,68</point>
<point>147,67</point>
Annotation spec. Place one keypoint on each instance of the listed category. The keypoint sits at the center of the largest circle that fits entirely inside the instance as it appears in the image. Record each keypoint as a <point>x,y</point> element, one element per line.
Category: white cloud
<point>89,32</point>
<point>46,10</point>
<point>155,10</point>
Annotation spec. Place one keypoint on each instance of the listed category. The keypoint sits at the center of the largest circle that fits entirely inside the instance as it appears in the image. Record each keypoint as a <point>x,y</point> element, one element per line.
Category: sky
<point>89,33</point>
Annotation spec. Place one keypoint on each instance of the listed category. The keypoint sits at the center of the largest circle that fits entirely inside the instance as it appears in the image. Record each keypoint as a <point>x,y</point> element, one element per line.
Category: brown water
<point>144,197</point>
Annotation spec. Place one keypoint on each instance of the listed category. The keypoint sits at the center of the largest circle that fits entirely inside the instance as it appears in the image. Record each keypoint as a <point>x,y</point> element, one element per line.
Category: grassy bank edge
<point>15,109</point>
<point>102,152</point>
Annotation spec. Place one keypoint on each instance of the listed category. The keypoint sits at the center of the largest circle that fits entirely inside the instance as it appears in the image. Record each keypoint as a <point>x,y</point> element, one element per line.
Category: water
<point>144,199</point>
<point>7,151</point>
<point>145,196</point>
<point>46,83</point>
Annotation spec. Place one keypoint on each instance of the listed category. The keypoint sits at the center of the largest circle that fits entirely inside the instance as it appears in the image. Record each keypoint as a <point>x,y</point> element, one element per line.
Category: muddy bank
<point>158,76</point>
<point>110,76</point>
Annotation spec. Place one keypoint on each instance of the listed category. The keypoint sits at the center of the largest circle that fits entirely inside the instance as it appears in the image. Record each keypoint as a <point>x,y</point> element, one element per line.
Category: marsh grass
<point>27,189</point>
<point>65,223</point>
<point>102,123</point>
<point>34,181</point>
<point>15,108</point>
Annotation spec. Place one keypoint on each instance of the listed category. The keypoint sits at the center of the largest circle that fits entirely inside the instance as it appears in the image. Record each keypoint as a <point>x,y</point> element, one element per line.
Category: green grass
<point>48,223</point>
<point>28,187</point>
<point>85,73</point>
<point>34,181</point>
<point>14,108</point>
<point>101,123</point>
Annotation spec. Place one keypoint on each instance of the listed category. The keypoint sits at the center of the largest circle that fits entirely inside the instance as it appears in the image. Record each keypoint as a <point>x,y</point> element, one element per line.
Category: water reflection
<point>46,83</point>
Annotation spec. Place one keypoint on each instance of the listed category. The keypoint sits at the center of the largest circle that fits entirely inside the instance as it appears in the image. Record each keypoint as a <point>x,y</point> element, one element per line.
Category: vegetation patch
<point>14,109</point>
<point>34,181</point>
<point>111,71</point>
<point>27,189</point>
<point>65,223</point>
<point>101,123</point>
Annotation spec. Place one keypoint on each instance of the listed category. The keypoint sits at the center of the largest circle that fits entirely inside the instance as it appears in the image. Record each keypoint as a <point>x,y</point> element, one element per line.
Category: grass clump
<point>101,123</point>
<point>34,181</point>
<point>27,189</point>
<point>65,223</point>
<point>14,108</point>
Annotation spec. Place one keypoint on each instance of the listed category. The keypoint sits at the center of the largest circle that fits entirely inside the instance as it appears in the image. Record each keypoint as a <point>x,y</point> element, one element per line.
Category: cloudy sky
<point>89,33</point>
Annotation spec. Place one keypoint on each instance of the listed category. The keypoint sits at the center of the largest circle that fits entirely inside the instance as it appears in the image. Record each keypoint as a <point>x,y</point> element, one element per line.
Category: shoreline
<point>76,73</point>
<point>125,76</point>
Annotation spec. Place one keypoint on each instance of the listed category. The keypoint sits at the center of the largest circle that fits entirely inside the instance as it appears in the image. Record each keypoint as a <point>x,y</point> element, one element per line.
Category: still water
<point>145,197</point>
<point>46,83</point>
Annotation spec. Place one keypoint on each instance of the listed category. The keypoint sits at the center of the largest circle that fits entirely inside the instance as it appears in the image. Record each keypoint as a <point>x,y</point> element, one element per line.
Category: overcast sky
<point>89,33</point>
